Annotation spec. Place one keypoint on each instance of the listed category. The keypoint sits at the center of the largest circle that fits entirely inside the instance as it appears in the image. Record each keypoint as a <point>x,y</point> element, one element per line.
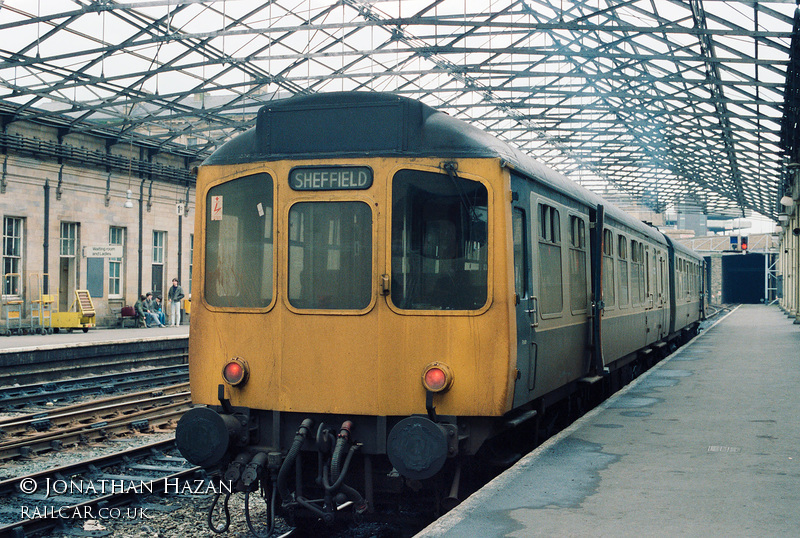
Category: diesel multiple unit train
<point>382,292</point>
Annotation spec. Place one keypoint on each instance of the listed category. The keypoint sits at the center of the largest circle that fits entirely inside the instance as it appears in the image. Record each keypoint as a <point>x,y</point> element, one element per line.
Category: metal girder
<point>666,102</point>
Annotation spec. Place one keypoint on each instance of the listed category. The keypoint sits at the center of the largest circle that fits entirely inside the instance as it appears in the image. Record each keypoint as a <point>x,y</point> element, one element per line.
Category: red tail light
<point>235,372</point>
<point>437,377</point>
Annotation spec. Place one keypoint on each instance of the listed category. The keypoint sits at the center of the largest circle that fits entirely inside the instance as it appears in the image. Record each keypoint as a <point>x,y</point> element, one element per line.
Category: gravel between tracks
<point>167,516</point>
<point>68,456</point>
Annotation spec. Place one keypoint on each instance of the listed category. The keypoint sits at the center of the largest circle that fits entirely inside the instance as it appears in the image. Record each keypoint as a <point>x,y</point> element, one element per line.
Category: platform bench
<point>125,313</point>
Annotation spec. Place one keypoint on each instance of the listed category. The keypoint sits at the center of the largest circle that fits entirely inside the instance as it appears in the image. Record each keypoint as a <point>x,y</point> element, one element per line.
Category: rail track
<point>66,390</point>
<point>79,413</point>
<point>36,365</point>
<point>38,434</point>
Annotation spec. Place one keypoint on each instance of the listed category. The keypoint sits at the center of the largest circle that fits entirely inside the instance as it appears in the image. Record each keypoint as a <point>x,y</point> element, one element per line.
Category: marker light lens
<point>437,377</point>
<point>235,372</point>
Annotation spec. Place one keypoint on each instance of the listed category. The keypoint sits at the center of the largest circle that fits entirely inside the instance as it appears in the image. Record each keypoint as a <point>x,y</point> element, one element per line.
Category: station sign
<point>103,251</point>
<point>330,178</point>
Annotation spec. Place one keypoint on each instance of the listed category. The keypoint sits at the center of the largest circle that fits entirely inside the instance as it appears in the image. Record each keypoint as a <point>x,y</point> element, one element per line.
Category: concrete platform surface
<point>96,335</point>
<point>707,443</point>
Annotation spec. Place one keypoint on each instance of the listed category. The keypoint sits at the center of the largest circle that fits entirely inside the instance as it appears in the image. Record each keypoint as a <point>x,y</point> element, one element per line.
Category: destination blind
<point>332,178</point>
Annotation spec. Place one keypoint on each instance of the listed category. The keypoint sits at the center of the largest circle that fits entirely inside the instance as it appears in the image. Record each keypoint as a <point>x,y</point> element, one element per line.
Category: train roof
<point>371,124</point>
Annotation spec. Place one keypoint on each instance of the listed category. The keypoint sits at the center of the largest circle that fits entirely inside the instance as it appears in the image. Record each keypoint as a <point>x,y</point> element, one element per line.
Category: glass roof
<point>667,103</point>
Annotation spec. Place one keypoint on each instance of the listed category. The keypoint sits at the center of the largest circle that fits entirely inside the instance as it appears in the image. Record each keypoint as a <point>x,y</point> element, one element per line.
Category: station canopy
<point>664,103</point>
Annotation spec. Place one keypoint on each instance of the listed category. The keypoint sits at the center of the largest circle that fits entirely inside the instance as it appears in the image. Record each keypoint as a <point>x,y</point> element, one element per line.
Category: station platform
<point>95,335</point>
<point>706,443</point>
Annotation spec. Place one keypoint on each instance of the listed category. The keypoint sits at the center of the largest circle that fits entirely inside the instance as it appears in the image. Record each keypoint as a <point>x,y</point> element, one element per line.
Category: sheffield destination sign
<point>330,178</point>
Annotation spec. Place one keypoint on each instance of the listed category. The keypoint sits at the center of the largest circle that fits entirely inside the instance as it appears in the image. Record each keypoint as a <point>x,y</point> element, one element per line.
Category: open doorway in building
<point>743,278</point>
<point>68,265</point>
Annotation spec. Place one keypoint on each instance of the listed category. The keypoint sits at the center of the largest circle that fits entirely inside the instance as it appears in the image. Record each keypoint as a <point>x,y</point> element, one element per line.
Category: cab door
<point>525,299</point>
<point>651,323</point>
<point>663,295</point>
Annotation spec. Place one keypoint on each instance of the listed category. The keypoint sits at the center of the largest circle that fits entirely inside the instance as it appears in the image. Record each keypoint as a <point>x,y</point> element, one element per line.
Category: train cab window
<point>330,255</point>
<point>622,263</point>
<point>239,253</point>
<point>608,267</point>
<point>439,242</point>
<point>578,301</point>
<point>520,254</point>
<point>550,271</point>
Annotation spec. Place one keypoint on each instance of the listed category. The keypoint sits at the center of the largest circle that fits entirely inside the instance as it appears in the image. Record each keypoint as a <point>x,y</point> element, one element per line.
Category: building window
<point>69,239</point>
<point>158,247</point>
<point>12,256</point>
<point>116,237</point>
<point>159,240</point>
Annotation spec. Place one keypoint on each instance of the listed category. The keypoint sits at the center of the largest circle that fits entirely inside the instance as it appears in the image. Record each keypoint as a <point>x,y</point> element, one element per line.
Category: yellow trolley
<point>80,316</point>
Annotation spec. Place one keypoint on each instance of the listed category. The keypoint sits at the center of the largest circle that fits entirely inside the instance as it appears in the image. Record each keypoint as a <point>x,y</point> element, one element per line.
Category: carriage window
<point>439,242</point>
<point>520,253</point>
<point>577,265</point>
<point>330,255</point>
<point>622,255</point>
<point>549,224</point>
<point>637,273</point>
<point>552,293</point>
<point>239,243</point>
<point>608,267</point>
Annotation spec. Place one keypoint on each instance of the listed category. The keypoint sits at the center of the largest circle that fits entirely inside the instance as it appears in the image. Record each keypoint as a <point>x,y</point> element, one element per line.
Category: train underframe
<point>334,467</point>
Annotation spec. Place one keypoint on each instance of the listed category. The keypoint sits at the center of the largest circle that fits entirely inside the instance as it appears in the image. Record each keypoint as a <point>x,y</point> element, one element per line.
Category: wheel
<point>86,329</point>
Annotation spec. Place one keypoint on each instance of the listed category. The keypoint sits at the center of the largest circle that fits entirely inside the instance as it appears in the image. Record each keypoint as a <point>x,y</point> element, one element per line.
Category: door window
<point>550,271</point>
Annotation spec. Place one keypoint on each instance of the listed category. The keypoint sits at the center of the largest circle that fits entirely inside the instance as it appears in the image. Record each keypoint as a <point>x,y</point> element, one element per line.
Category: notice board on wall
<point>95,276</point>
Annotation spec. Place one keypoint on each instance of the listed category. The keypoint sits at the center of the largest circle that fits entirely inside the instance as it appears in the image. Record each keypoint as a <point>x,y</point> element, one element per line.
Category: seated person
<point>150,317</point>
<point>162,318</point>
<point>141,314</point>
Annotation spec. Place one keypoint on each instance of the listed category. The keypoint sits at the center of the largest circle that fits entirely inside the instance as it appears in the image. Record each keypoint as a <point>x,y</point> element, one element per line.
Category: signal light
<point>437,377</point>
<point>235,372</point>
<point>743,243</point>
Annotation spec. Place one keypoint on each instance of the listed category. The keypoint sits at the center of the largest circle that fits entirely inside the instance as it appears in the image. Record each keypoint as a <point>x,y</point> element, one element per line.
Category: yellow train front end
<point>338,299</point>
<point>353,304</point>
